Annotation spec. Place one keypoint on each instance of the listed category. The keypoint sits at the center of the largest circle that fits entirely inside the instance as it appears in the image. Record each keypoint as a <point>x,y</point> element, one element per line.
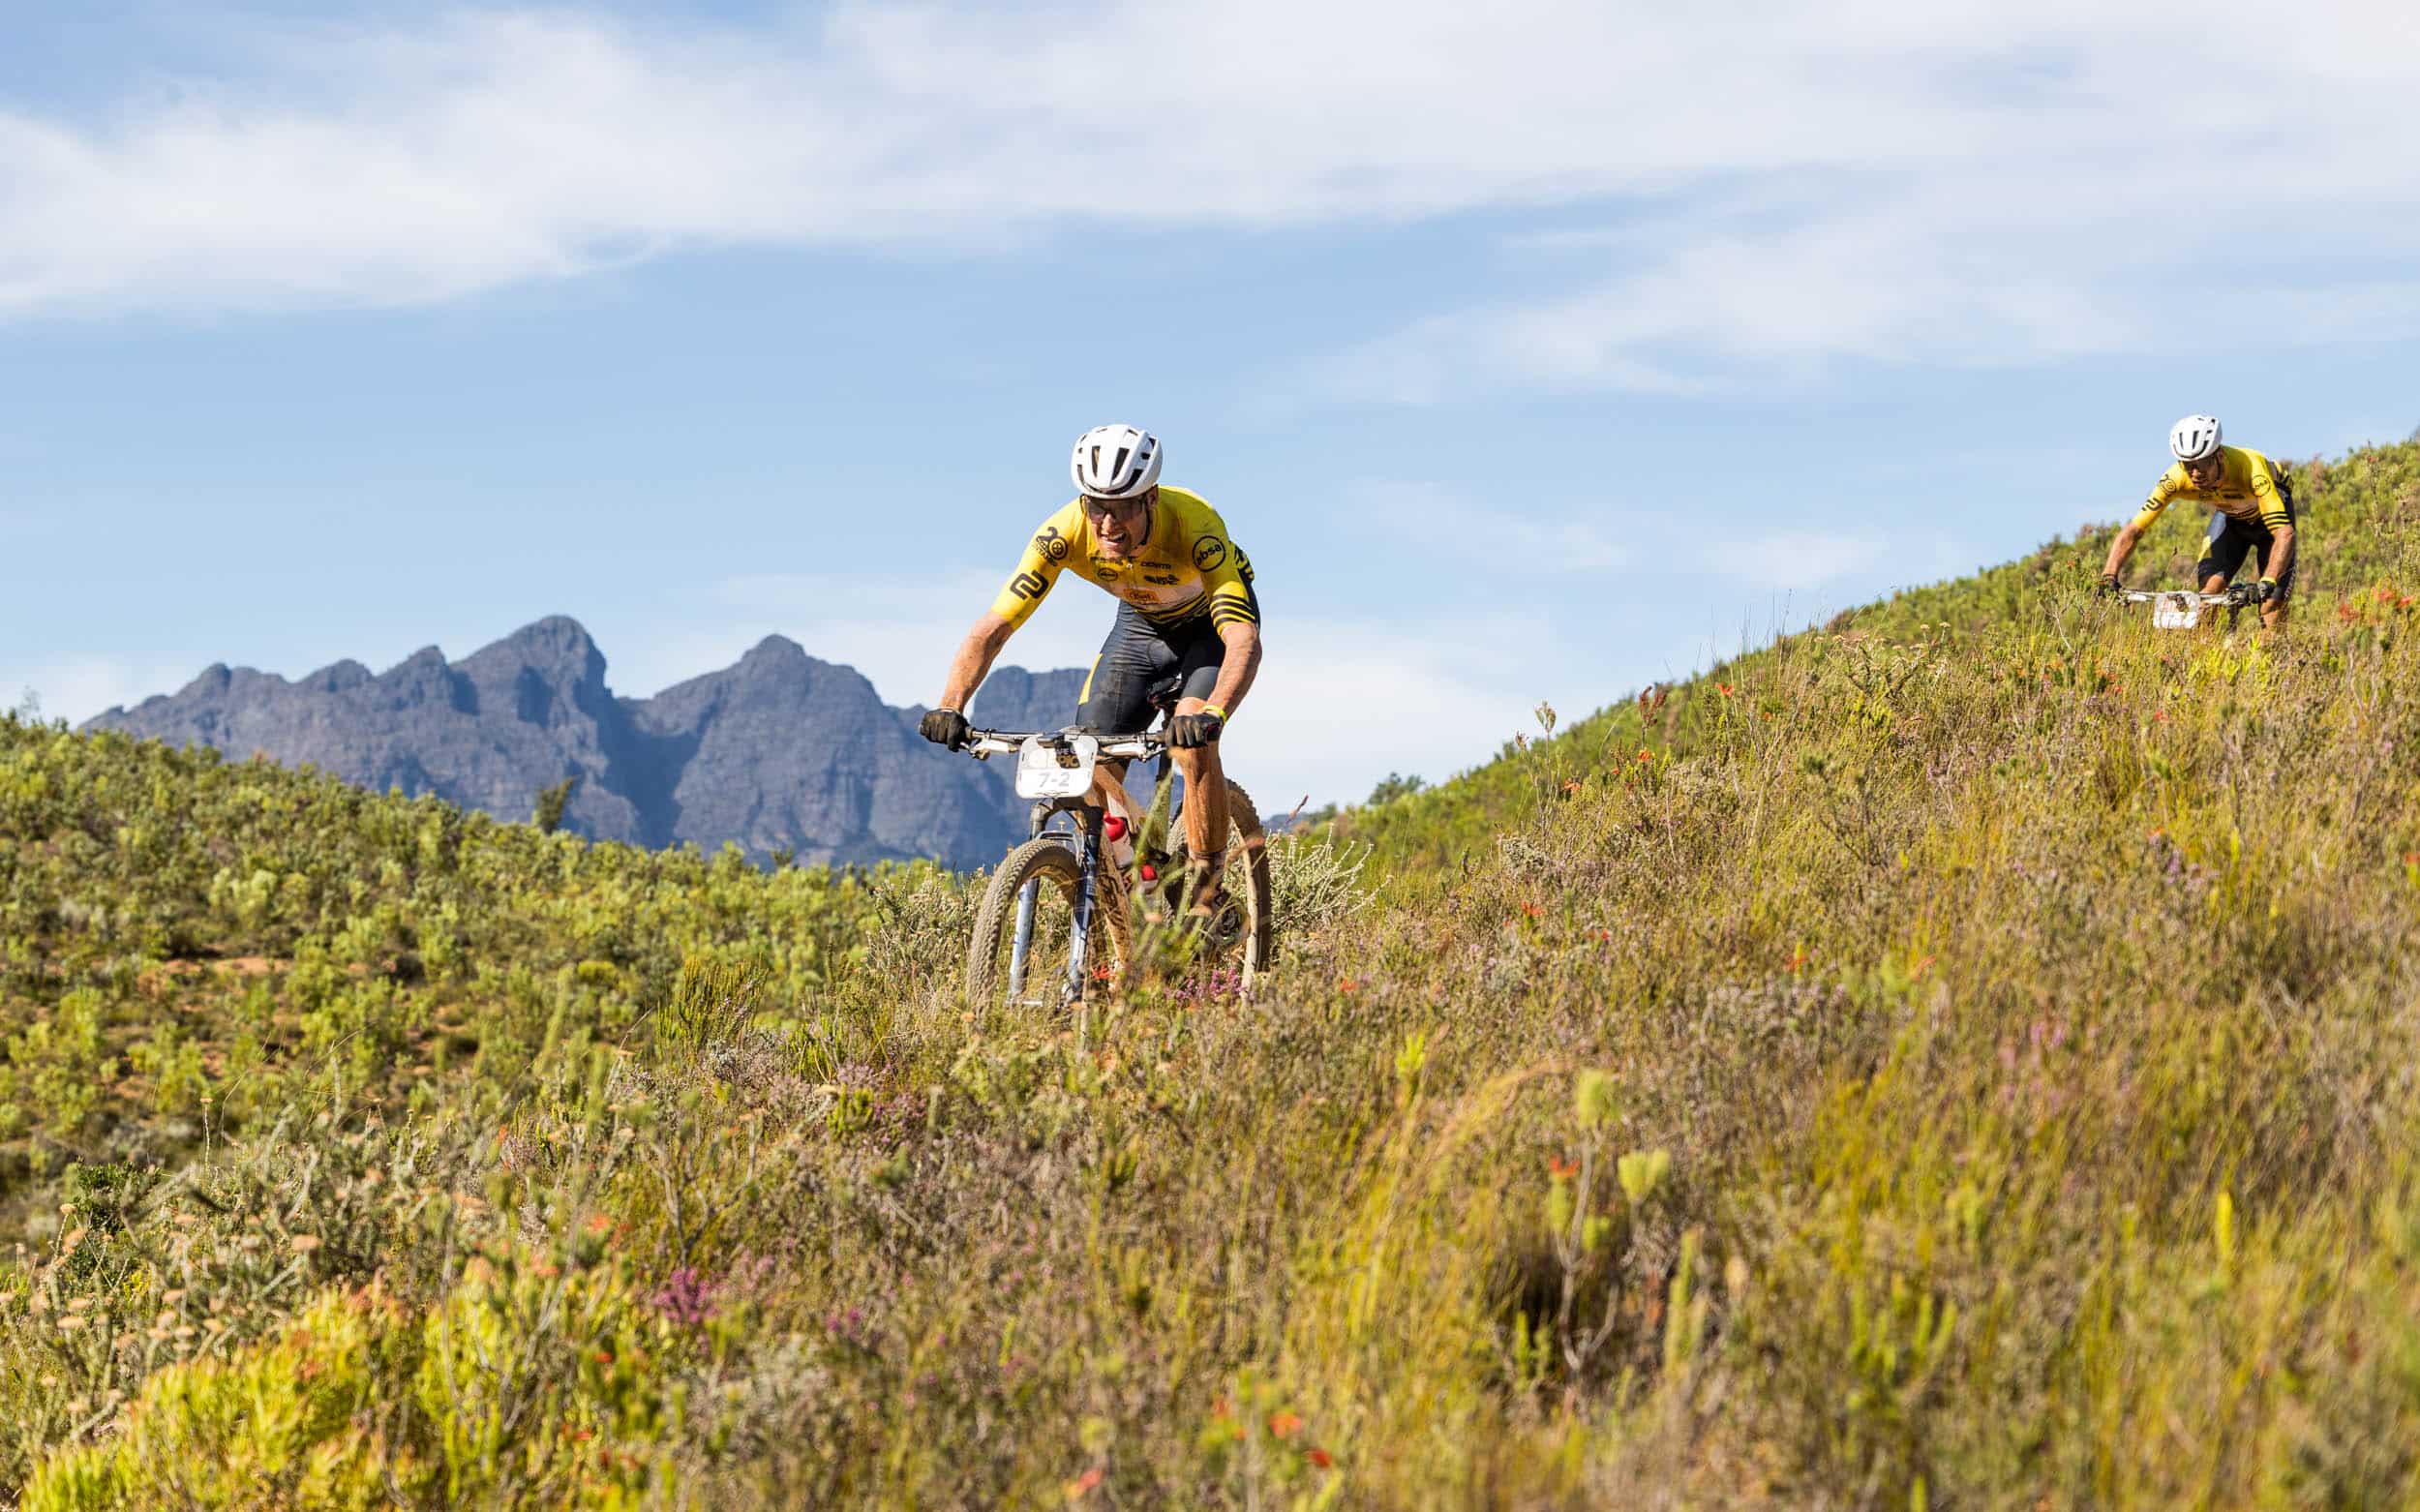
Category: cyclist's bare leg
<point>1205,791</point>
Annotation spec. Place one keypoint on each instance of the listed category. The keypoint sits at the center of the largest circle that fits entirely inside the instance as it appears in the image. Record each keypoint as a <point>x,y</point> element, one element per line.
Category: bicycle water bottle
<point>1120,836</point>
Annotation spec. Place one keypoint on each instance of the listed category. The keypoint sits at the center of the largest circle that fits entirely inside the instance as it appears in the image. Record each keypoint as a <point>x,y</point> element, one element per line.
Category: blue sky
<point>1534,351</point>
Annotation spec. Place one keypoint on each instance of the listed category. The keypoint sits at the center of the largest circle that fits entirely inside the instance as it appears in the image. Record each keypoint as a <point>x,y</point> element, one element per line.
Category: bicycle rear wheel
<point>995,978</point>
<point>1244,939</point>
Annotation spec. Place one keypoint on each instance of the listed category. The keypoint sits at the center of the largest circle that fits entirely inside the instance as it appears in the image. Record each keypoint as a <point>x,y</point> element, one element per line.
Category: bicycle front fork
<point>1087,901</point>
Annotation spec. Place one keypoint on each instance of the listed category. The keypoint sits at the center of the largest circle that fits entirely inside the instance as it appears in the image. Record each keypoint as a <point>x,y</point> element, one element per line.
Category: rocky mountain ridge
<point>778,752</point>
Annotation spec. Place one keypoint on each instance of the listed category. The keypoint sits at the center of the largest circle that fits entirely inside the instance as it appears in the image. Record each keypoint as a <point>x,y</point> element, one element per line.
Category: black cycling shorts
<point>2233,541</point>
<point>1141,661</point>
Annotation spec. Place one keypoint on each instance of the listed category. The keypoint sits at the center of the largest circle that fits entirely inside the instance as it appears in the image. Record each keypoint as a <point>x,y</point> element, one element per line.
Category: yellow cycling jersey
<point>2247,490</point>
<point>1187,565</point>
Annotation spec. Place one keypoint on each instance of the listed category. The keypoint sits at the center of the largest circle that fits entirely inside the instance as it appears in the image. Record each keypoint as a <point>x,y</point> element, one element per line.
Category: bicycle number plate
<point>1057,766</point>
<point>2175,612</point>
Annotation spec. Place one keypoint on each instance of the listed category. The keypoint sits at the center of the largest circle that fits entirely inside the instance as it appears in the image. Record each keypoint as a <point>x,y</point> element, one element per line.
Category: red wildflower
<point>1084,1483</point>
<point>1724,688</point>
<point>1561,1169</point>
<point>1320,1456</point>
<point>1645,754</point>
<point>1285,1424</point>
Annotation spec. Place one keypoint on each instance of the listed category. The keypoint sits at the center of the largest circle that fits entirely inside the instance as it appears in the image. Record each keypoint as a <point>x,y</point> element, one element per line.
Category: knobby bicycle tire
<point>1259,942</point>
<point>1057,868</point>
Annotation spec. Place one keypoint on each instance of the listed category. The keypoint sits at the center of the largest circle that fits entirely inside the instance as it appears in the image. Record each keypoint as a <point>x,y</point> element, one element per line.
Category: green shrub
<point>282,1424</point>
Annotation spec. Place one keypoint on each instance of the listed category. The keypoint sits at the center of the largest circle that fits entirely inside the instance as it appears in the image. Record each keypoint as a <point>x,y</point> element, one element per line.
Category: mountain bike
<point>2177,609</point>
<point>1060,914</point>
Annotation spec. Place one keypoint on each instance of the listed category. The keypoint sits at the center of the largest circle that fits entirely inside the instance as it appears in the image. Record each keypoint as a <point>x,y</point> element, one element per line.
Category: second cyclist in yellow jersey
<point>2252,514</point>
<point>2243,486</point>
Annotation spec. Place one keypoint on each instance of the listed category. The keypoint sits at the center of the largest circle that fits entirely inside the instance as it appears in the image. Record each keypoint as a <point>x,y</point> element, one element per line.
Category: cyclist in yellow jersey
<point>1188,622</point>
<point>2253,504</point>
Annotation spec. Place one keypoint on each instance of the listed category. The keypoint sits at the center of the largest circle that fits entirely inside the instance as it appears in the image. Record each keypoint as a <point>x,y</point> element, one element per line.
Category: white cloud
<point>1964,181</point>
<point>1341,703</point>
<point>77,688</point>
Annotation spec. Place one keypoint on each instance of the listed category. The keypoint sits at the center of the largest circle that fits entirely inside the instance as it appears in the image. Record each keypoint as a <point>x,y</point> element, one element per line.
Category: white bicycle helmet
<point>2194,437</point>
<point>1115,462</point>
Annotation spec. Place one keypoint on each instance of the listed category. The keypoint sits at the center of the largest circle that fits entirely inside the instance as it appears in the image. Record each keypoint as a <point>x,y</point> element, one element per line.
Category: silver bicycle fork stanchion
<point>1023,939</point>
<point>1087,899</point>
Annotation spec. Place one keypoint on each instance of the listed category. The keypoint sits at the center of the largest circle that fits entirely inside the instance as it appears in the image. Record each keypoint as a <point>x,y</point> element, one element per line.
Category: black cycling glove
<point>944,726</point>
<point>1186,732</point>
<point>2263,590</point>
<point>2110,587</point>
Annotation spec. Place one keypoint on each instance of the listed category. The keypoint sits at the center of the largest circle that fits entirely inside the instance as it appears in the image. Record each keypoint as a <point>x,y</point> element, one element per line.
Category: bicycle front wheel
<point>1033,895</point>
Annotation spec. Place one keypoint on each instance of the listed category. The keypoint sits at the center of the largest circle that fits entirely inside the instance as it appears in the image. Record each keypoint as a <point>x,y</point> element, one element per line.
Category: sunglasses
<point>1112,506</point>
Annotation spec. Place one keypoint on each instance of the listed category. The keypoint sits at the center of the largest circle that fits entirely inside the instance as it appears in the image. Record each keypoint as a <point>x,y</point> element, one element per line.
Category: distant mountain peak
<point>780,751</point>
<point>558,643</point>
<point>777,647</point>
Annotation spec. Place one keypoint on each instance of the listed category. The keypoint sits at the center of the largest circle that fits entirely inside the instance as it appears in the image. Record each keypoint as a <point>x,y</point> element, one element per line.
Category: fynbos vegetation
<point>1963,1056</point>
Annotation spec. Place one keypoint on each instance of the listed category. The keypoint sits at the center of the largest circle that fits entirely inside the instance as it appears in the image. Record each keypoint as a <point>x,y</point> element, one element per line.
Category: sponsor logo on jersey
<point>1051,544</point>
<point>1171,581</point>
<point>1027,585</point>
<point>1208,551</point>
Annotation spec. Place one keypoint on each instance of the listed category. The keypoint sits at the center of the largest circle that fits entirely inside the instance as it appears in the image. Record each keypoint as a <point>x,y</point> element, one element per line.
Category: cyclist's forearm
<point>1241,665</point>
<point>2121,548</point>
<point>973,662</point>
<point>2281,556</point>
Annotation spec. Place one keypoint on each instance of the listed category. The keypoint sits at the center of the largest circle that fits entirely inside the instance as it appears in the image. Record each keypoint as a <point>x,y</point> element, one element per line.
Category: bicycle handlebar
<point>982,744</point>
<point>2236,597</point>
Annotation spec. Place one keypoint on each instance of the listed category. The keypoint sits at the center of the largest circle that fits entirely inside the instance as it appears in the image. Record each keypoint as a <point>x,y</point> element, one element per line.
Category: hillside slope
<point>779,752</point>
<point>1963,1057</point>
<point>2357,513</point>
